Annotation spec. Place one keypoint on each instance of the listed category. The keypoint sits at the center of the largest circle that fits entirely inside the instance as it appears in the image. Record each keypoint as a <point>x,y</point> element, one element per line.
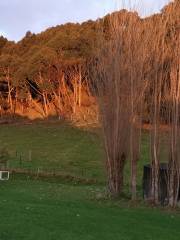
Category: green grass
<point>55,147</point>
<point>56,209</point>
<point>41,210</point>
<point>61,148</point>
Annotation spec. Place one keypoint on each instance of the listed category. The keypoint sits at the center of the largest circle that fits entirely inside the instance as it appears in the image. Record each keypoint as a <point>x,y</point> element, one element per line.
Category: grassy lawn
<point>50,211</point>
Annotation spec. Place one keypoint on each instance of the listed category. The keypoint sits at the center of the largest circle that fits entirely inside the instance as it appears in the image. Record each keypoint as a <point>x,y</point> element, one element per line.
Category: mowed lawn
<point>53,211</point>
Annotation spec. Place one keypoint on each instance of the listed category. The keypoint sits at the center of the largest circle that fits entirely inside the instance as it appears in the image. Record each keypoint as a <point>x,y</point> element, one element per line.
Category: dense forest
<point>50,73</point>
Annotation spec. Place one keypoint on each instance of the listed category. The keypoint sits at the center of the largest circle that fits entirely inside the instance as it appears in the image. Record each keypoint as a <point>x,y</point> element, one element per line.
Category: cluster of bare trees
<point>118,80</point>
<point>139,64</point>
<point>59,91</point>
<point>165,102</point>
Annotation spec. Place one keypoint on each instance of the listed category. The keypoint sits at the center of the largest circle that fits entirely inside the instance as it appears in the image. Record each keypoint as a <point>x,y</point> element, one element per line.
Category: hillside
<point>48,73</point>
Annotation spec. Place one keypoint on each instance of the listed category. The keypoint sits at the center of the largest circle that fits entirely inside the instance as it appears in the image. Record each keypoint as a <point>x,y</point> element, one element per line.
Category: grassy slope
<point>41,210</point>
<point>61,148</point>
<point>54,147</point>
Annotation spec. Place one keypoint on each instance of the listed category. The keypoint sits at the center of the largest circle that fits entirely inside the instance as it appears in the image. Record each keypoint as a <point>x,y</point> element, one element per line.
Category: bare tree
<point>119,85</point>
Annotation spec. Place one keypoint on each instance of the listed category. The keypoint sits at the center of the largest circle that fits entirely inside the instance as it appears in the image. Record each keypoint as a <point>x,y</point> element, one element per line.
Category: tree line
<point>137,72</point>
<point>47,70</point>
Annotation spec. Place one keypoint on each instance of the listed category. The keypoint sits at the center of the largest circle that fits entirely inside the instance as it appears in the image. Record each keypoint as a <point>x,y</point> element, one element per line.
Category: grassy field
<point>55,147</point>
<point>54,211</point>
<point>61,148</point>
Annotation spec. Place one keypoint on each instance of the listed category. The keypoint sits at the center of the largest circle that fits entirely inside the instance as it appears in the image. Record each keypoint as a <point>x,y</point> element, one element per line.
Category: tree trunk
<point>80,87</point>
<point>116,177</point>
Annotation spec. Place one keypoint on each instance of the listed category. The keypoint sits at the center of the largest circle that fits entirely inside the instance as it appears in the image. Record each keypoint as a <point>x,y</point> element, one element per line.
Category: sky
<point>19,16</point>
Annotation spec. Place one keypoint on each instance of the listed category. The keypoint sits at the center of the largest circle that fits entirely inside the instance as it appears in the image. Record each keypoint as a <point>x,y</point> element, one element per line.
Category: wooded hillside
<point>48,73</point>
